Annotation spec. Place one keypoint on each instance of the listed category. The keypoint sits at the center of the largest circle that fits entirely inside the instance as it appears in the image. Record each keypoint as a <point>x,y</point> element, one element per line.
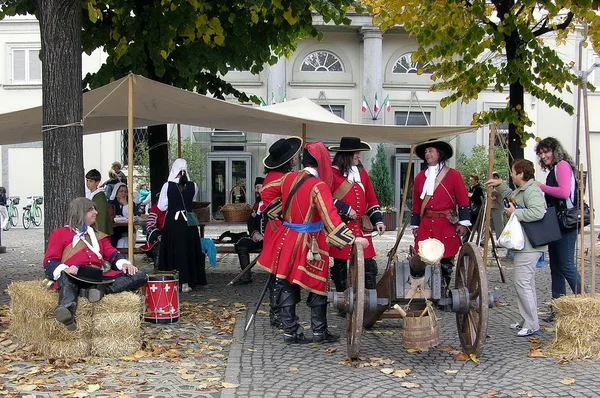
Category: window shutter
<point>35,66</point>
<point>19,66</point>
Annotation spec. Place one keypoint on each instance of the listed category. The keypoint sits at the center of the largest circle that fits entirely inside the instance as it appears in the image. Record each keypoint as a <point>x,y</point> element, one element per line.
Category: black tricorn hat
<point>350,144</point>
<point>259,180</point>
<point>89,274</point>
<point>437,144</point>
<point>282,151</point>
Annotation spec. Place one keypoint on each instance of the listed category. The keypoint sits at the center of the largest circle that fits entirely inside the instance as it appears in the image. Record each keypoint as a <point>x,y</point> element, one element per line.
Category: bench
<point>230,249</point>
<point>125,251</point>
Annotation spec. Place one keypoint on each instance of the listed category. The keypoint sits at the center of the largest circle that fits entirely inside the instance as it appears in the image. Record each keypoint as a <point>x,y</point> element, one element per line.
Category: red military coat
<point>363,201</point>
<point>271,225</point>
<point>285,254</point>
<point>61,251</point>
<point>454,194</point>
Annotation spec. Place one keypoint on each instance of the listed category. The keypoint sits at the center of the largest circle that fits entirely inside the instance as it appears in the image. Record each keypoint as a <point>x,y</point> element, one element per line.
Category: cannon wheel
<point>472,275</point>
<point>356,281</point>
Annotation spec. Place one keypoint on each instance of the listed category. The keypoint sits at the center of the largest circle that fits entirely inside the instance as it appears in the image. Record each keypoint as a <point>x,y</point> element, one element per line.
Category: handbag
<point>570,219</point>
<point>366,225</point>
<point>544,231</point>
<point>190,216</point>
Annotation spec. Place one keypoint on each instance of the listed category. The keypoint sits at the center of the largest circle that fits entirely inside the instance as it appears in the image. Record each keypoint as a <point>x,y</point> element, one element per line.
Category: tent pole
<point>178,140</point>
<point>130,206</point>
<point>488,199</point>
<point>303,143</point>
<point>405,192</point>
<point>586,123</point>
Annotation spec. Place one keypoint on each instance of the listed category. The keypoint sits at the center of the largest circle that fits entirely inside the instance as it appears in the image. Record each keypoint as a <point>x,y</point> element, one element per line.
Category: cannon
<point>468,298</point>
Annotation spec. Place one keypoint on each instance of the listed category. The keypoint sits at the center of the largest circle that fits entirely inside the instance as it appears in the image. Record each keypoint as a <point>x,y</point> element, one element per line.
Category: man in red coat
<point>75,257</point>
<point>282,158</point>
<point>440,203</point>
<point>298,252</point>
<point>352,188</point>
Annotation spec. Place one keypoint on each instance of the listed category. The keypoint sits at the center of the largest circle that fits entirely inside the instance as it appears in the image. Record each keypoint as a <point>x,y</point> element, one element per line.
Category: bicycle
<point>13,212</point>
<point>32,212</point>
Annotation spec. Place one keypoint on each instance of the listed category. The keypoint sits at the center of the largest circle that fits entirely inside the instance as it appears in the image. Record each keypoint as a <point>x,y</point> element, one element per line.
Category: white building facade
<point>351,62</point>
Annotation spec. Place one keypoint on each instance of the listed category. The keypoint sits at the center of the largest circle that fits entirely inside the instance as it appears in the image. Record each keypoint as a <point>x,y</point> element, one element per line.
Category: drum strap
<point>293,192</point>
<point>438,181</point>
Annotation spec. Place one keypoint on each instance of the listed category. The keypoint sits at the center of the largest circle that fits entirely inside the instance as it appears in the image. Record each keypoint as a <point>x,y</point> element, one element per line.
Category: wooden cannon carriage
<point>468,298</point>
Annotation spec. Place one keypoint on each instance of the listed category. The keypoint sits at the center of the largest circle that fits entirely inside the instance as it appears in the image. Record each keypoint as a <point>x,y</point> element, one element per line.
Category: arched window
<point>404,64</point>
<point>321,61</point>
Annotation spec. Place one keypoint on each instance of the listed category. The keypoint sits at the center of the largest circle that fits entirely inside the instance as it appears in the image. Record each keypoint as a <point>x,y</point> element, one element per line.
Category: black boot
<point>156,253</point>
<point>275,311</point>
<point>127,282</point>
<point>244,257</point>
<point>370,273</point>
<point>68,291</point>
<point>93,293</point>
<point>293,333</point>
<point>446,266</point>
<point>318,319</point>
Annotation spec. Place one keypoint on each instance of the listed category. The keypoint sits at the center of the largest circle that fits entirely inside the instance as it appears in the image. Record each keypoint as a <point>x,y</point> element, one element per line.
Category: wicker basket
<point>236,212</point>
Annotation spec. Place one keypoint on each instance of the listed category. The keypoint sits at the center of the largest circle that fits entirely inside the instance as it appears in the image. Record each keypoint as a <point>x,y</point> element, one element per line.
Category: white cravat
<point>94,246</point>
<point>354,177</point>
<point>431,174</point>
<point>312,171</point>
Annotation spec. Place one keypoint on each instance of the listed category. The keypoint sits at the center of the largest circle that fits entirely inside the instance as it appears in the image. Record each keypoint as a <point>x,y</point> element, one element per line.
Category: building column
<point>466,142</point>
<point>276,83</point>
<point>372,70</point>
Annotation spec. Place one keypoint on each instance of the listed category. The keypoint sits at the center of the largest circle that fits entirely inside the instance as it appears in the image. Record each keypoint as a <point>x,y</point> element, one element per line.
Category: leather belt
<point>437,214</point>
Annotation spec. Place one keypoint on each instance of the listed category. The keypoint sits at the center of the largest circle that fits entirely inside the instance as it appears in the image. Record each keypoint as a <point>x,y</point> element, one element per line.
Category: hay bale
<point>117,324</point>
<point>577,327</point>
<point>75,348</point>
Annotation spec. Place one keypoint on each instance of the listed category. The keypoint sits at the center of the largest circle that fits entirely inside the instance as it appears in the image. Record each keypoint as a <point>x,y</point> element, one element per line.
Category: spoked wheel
<point>356,282</point>
<point>37,219</point>
<point>14,217</point>
<point>472,286</point>
<point>26,219</point>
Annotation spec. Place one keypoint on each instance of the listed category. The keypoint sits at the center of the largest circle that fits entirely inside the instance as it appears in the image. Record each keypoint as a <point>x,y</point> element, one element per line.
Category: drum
<point>162,298</point>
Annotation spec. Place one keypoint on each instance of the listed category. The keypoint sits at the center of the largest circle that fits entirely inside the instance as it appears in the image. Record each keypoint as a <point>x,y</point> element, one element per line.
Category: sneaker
<point>526,332</point>
<point>185,288</point>
<point>295,339</point>
<point>515,326</point>
<point>325,337</point>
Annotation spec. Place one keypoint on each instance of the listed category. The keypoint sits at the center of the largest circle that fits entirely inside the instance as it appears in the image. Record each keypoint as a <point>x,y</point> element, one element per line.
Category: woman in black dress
<point>180,245</point>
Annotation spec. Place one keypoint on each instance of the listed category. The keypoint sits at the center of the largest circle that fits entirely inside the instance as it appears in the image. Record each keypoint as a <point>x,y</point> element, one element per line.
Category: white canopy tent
<point>135,101</point>
<point>106,109</point>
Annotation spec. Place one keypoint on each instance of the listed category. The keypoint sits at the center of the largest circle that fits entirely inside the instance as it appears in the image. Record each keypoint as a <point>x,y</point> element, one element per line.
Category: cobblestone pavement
<point>261,365</point>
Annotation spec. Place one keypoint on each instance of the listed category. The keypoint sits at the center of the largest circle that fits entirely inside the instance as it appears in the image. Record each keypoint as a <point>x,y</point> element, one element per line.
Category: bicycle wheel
<point>26,219</point>
<point>37,218</point>
<point>14,217</point>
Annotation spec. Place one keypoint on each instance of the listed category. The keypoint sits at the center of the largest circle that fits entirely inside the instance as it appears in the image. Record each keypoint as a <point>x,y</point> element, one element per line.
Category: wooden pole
<point>404,195</point>
<point>586,121</point>
<point>488,200</point>
<point>299,165</point>
<point>130,237</point>
<point>582,234</point>
<point>178,140</point>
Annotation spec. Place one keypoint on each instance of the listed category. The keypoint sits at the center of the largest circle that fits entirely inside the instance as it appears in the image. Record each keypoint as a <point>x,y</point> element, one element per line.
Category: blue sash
<point>305,228</point>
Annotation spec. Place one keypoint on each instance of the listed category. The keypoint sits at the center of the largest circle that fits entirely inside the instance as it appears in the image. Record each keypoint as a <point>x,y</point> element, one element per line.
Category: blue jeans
<point>562,264</point>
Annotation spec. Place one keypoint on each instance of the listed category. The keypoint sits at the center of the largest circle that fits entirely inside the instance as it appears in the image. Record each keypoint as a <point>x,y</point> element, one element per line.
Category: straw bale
<point>577,327</point>
<point>123,323</point>
<point>120,302</point>
<point>110,347</point>
<point>75,348</point>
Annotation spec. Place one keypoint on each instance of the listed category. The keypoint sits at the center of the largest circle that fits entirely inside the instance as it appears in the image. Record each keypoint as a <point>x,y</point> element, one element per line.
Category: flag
<point>262,102</point>
<point>365,106</point>
<point>376,106</point>
<point>273,102</point>
<point>284,98</point>
<point>386,104</point>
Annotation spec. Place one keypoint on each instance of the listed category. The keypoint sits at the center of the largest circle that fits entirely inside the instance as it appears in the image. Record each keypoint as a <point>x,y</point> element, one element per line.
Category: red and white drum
<point>162,298</point>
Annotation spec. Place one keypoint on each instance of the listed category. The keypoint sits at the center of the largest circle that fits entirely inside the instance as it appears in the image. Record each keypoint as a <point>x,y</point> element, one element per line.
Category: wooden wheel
<point>356,284</point>
<point>471,284</point>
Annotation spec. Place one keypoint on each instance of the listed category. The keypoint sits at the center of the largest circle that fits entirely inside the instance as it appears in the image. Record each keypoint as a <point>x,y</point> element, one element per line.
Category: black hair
<point>93,174</point>
<point>284,168</point>
<point>308,160</point>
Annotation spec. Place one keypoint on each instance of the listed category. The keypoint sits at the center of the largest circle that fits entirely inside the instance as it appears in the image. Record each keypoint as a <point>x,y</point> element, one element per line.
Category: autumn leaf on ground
<point>492,393</point>
<point>451,371</point>
<point>93,387</point>
<point>293,370</point>
<point>461,356</point>
<point>229,385</point>
<point>330,350</point>
<point>407,384</point>
<point>251,350</point>
<point>387,371</point>
<point>567,382</point>
<point>536,353</point>
<point>402,372</point>
<point>447,348</point>
<point>527,394</point>
<point>563,361</point>
<point>474,358</point>
<point>534,340</point>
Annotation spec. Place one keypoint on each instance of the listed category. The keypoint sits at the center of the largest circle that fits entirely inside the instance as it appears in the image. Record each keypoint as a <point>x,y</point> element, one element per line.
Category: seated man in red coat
<point>440,204</point>
<point>75,258</point>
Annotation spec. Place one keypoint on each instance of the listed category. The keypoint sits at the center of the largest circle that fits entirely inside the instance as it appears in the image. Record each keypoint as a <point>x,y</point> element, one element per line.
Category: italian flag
<point>386,104</point>
<point>365,106</point>
<point>284,98</point>
<point>376,106</point>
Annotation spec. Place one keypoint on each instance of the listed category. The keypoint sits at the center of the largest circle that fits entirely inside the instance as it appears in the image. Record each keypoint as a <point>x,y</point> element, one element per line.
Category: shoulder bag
<point>570,219</point>
<point>544,231</point>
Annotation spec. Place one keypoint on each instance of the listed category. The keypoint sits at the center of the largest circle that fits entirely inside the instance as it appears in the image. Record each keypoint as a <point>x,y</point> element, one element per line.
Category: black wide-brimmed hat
<point>282,151</point>
<point>437,144</point>
<point>350,144</point>
<point>91,275</point>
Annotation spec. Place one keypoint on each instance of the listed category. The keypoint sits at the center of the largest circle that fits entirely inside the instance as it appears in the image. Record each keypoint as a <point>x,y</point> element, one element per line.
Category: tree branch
<point>545,29</point>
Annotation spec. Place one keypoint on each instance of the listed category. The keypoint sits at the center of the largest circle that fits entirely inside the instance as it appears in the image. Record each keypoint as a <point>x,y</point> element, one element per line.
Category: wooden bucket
<point>420,332</point>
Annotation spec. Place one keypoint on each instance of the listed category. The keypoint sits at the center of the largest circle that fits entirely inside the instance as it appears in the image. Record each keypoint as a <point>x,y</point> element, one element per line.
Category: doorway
<point>401,172</point>
<point>229,180</point>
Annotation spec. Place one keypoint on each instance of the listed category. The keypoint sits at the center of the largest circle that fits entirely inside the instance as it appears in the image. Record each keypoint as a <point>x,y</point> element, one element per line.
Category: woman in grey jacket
<point>530,206</point>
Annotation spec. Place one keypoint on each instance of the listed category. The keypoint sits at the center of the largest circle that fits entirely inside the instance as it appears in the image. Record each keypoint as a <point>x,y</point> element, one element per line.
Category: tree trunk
<point>517,97</point>
<point>60,28</point>
<point>158,144</point>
